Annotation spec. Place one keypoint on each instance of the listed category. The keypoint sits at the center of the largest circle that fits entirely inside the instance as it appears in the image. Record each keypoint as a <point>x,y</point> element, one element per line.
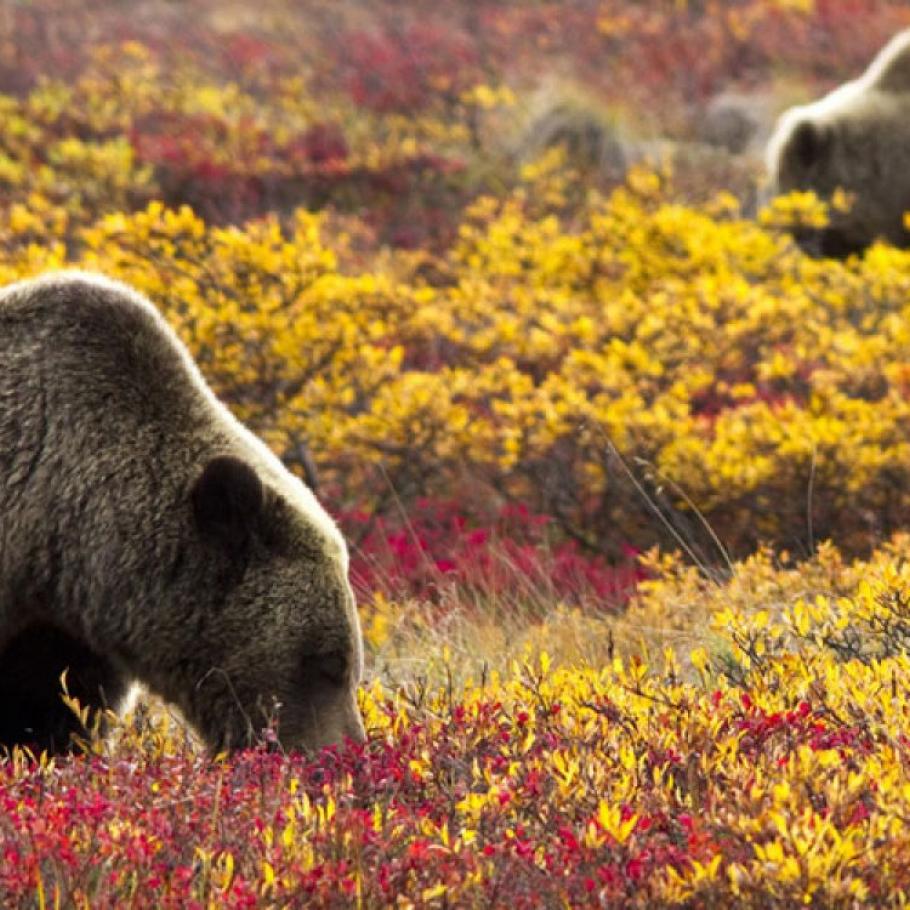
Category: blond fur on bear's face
<point>145,534</point>
<point>855,139</point>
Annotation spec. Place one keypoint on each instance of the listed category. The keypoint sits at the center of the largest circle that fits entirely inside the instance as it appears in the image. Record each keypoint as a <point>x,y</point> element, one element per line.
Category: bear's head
<point>853,139</point>
<point>829,155</point>
<point>278,635</point>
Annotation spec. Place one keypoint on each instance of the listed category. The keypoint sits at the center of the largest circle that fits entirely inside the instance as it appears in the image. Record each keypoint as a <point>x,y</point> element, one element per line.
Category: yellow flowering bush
<point>647,372</point>
<point>136,123</point>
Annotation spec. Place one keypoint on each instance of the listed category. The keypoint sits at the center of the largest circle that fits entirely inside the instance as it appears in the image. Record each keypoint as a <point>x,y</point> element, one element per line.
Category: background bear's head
<point>856,139</point>
<point>842,154</point>
<point>277,633</point>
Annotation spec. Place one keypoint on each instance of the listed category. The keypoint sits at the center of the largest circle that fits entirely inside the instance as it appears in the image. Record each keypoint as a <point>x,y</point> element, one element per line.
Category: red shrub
<point>514,553</point>
<point>405,69</point>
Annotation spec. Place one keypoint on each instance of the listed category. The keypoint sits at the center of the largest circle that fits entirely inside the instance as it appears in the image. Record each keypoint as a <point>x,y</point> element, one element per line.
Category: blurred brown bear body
<point>856,138</point>
<point>146,535</point>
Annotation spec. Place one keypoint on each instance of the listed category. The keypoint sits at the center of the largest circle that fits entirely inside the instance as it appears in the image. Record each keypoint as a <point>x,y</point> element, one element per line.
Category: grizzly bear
<point>146,535</point>
<point>856,138</point>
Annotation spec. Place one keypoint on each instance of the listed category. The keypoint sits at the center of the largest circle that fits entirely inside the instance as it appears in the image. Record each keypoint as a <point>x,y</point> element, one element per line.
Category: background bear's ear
<point>227,501</point>
<point>809,143</point>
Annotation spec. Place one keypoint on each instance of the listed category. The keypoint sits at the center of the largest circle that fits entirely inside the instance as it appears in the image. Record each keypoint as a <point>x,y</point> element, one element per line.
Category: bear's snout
<point>336,724</point>
<point>344,723</point>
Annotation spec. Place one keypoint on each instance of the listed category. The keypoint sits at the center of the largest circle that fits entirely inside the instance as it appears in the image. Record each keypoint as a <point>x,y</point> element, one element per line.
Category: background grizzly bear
<point>146,535</point>
<point>857,138</point>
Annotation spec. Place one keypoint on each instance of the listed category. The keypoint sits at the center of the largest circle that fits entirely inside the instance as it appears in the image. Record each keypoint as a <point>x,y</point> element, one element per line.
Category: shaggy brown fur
<point>146,535</point>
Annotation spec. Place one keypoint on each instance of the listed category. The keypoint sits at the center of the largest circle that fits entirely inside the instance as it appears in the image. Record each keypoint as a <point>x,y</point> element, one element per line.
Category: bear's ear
<point>809,143</point>
<point>227,501</point>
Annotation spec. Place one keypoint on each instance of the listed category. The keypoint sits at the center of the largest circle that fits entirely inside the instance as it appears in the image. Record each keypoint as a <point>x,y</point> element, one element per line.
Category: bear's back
<point>100,380</point>
<point>890,70</point>
<point>97,347</point>
<point>99,403</point>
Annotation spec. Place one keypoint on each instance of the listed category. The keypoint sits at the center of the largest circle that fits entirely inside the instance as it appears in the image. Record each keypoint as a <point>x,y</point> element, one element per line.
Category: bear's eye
<point>331,667</point>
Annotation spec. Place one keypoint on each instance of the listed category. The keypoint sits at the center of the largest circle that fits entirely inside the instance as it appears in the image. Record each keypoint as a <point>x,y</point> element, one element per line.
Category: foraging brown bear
<point>147,535</point>
<point>856,138</point>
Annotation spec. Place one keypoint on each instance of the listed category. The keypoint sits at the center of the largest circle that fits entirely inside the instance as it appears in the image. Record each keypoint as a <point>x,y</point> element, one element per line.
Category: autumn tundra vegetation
<point>624,473</point>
